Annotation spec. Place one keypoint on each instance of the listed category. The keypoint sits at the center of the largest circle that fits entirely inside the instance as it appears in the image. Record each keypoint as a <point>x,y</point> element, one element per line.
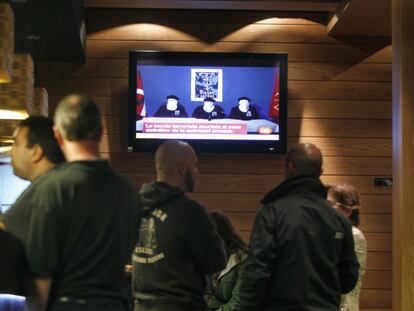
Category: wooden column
<point>403,155</point>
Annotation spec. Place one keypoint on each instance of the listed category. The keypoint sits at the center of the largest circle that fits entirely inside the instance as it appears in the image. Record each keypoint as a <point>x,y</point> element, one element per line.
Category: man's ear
<point>37,153</point>
<point>181,169</point>
<point>290,169</point>
<point>58,135</point>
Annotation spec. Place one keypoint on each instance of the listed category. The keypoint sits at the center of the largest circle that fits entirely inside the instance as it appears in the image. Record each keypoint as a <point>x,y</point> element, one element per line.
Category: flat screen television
<point>217,102</point>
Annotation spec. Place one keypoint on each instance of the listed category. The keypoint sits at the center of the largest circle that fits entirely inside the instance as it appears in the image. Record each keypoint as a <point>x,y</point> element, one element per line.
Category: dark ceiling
<point>50,30</point>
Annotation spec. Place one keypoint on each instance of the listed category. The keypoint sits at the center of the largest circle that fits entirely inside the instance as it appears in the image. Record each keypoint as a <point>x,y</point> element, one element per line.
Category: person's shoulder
<point>358,234</point>
<point>190,206</point>
<point>54,177</point>
<point>189,202</point>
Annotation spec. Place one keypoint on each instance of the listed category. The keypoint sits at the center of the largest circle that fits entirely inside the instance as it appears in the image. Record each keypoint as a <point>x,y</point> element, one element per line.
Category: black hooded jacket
<point>302,251</point>
<point>178,246</point>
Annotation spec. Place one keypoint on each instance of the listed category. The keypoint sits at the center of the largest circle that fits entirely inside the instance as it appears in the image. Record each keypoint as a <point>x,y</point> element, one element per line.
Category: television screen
<point>218,102</point>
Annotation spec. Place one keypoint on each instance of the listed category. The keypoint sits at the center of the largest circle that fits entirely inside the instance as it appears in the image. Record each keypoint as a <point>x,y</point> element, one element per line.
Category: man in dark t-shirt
<point>178,245</point>
<point>83,222</point>
<point>35,152</point>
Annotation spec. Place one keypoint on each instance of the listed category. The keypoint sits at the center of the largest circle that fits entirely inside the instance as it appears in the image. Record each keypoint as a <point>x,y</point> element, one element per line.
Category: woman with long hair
<point>345,199</point>
<point>224,287</point>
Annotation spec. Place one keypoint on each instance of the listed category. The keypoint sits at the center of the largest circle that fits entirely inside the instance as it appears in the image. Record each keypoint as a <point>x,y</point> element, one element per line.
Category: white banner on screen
<point>208,136</point>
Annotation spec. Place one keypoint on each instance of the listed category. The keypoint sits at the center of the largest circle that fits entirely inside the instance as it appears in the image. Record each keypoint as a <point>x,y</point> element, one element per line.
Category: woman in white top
<point>345,199</point>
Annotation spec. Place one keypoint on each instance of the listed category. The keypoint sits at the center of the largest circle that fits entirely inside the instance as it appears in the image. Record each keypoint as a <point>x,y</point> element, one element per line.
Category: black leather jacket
<point>302,251</point>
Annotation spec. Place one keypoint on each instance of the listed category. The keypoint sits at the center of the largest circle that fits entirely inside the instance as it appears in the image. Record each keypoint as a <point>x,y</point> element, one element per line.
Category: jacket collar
<point>296,185</point>
<point>233,261</point>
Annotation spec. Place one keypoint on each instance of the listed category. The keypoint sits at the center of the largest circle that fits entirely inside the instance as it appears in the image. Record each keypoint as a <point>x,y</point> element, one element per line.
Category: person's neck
<point>172,181</point>
<point>81,151</point>
<point>42,167</point>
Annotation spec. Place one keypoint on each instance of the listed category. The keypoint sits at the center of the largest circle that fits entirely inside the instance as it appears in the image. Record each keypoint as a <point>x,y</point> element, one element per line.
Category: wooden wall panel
<point>297,52</point>
<point>339,99</point>
<point>258,165</point>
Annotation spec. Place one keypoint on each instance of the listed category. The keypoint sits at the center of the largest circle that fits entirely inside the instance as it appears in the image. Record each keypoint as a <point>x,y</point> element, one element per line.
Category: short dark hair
<point>40,132</point>
<point>173,97</point>
<point>79,118</point>
<point>306,159</point>
<point>347,198</point>
<point>209,99</point>
<point>245,98</point>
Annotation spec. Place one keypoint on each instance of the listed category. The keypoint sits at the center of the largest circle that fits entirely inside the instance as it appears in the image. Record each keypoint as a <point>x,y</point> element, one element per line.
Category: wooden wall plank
<point>374,298</point>
<point>345,109</point>
<point>379,261</point>
<point>258,164</point>
<point>297,52</point>
<point>377,280</point>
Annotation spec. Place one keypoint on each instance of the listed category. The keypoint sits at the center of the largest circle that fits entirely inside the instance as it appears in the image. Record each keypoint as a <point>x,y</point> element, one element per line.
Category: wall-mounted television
<point>217,102</point>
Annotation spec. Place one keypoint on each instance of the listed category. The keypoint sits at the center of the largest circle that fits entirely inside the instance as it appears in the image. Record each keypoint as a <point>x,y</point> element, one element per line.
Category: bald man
<point>178,246</point>
<point>302,252</point>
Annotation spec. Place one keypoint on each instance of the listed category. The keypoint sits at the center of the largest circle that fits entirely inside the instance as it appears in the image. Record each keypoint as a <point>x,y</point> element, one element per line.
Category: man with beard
<point>178,245</point>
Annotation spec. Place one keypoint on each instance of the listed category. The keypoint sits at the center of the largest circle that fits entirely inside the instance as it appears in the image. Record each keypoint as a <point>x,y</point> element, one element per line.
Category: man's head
<point>208,105</point>
<point>176,164</point>
<point>77,118</point>
<point>35,148</point>
<point>244,104</point>
<point>304,159</point>
<point>172,102</point>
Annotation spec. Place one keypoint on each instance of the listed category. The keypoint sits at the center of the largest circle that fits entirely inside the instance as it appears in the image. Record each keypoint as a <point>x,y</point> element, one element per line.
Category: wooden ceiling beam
<point>257,5</point>
<point>361,18</point>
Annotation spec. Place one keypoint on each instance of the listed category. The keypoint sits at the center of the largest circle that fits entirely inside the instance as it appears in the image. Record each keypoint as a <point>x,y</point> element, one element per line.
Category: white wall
<point>10,185</point>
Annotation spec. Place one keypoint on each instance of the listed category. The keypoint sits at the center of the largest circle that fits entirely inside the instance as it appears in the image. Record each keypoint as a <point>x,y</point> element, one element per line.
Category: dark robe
<point>163,112</point>
<point>250,114</point>
<point>217,113</point>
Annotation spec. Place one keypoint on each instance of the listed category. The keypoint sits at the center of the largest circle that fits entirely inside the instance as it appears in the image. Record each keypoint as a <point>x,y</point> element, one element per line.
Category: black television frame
<point>210,59</point>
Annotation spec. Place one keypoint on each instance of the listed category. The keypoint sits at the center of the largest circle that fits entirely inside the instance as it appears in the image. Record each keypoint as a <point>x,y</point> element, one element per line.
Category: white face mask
<point>208,107</point>
<point>244,105</point>
<point>172,104</point>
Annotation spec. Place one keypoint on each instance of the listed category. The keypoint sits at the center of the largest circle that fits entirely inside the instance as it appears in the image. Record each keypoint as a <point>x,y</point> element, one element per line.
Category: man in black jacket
<point>302,251</point>
<point>178,246</point>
